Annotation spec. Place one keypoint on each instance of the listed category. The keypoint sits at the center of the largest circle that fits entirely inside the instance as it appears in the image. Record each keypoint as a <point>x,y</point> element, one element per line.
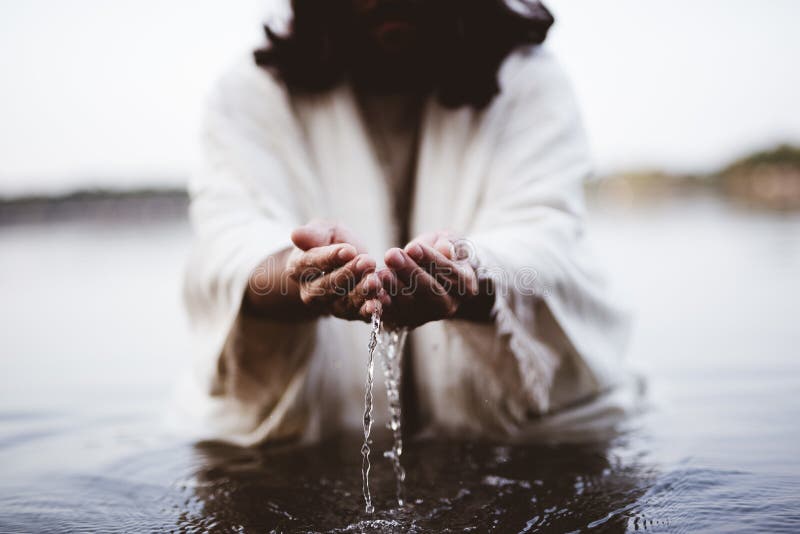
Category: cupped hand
<point>426,281</point>
<point>334,274</point>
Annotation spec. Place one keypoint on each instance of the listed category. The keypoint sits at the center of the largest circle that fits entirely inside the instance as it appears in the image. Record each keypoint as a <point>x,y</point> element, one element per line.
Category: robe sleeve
<point>249,371</point>
<point>558,335</point>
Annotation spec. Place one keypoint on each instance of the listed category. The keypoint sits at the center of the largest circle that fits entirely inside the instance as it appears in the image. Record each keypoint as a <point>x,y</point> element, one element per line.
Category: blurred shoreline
<point>768,180</point>
<point>108,207</point>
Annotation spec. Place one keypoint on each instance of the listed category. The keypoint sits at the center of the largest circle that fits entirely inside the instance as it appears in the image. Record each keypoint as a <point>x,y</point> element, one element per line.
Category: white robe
<point>508,178</point>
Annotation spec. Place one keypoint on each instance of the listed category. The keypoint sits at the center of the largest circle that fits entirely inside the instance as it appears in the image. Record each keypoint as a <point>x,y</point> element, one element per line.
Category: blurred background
<point>108,95</point>
<point>692,110</point>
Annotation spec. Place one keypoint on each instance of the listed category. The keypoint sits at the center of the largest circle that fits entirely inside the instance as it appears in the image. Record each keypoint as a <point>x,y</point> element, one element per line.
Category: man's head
<point>393,25</point>
<point>450,47</point>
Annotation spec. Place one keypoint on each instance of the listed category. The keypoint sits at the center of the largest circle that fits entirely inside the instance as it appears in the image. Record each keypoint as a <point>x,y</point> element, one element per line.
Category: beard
<point>394,47</point>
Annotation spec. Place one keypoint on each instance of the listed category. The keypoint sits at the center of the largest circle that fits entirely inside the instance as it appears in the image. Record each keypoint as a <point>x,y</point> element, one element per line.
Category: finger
<point>445,246</point>
<point>459,250</point>
<point>379,304</point>
<point>411,309</point>
<point>321,295</point>
<point>410,273</point>
<point>433,262</point>
<point>311,236</point>
<point>442,241</point>
<point>352,305</point>
<point>400,301</point>
<point>322,233</point>
<point>368,288</point>
<point>368,297</point>
<point>417,281</point>
<point>426,256</point>
<point>398,261</point>
<point>450,274</point>
<point>430,238</point>
<point>397,293</point>
<point>316,261</point>
<point>388,280</point>
<point>369,308</point>
<point>338,283</point>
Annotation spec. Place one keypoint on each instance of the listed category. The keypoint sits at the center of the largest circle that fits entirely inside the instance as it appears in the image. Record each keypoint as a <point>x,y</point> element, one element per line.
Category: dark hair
<point>460,48</point>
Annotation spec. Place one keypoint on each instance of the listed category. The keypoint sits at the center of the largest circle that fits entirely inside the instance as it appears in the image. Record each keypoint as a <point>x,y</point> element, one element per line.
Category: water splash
<point>392,352</point>
<point>365,465</point>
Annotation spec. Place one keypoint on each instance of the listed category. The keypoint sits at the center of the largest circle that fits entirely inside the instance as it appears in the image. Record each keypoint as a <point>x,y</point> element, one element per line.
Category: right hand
<point>334,274</point>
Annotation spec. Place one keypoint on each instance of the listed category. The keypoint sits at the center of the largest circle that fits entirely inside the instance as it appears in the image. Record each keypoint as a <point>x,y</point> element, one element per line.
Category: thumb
<point>312,235</point>
<point>320,233</point>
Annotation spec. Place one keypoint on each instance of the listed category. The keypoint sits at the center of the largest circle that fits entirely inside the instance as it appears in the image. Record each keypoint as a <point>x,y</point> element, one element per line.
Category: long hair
<point>457,52</point>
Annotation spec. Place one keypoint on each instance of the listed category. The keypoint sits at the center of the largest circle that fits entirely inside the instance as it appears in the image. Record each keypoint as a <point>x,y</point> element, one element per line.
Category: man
<point>382,120</point>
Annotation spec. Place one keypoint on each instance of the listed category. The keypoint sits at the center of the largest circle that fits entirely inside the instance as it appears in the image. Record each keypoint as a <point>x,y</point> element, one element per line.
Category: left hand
<point>425,281</point>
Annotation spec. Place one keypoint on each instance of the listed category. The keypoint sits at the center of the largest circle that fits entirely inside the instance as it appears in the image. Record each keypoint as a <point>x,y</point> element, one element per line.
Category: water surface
<point>93,337</point>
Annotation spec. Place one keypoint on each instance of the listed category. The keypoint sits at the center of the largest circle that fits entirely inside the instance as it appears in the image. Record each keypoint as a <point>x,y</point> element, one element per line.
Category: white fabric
<point>508,178</point>
<point>392,122</point>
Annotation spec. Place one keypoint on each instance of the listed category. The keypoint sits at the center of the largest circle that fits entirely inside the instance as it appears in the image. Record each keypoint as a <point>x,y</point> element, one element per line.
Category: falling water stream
<point>365,465</point>
<point>391,349</point>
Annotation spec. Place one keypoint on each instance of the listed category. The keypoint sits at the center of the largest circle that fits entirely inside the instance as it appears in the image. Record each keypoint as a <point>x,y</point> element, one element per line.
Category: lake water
<point>93,338</point>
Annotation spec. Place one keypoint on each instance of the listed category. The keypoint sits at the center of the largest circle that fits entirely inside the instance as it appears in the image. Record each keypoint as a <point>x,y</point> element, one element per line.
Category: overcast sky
<point>101,93</point>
